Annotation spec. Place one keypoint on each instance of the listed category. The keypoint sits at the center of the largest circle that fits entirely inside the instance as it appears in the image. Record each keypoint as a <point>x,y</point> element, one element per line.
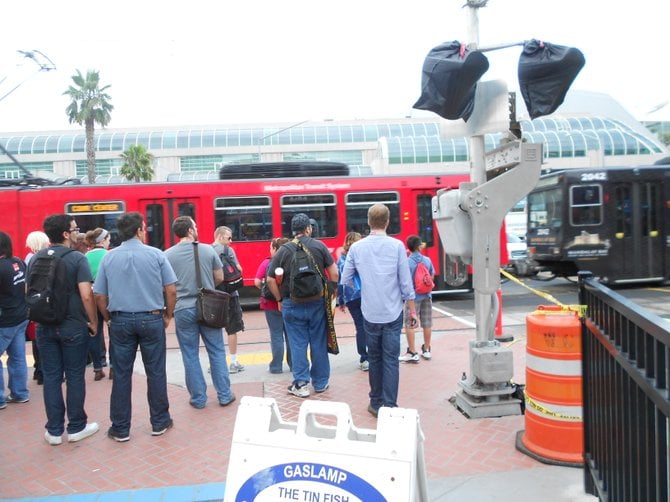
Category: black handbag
<point>211,304</point>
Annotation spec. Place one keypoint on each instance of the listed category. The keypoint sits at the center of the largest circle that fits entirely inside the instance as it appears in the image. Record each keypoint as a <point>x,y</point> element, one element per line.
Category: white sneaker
<point>365,366</point>
<point>90,429</point>
<point>299,390</point>
<point>425,353</point>
<point>53,440</point>
<point>235,368</point>
<point>409,357</point>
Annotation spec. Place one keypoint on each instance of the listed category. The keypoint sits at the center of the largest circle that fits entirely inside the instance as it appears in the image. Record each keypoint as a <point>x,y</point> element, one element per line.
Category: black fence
<point>626,373</point>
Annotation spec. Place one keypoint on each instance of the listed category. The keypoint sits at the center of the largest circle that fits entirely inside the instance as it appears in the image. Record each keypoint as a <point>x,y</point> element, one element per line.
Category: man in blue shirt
<point>381,263</point>
<point>136,293</point>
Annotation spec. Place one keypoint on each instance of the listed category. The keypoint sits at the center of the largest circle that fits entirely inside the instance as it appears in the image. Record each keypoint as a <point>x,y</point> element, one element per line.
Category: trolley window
<point>544,209</point>
<point>249,218</point>
<point>321,208</point>
<point>357,210</point>
<point>102,214</point>
<point>586,205</point>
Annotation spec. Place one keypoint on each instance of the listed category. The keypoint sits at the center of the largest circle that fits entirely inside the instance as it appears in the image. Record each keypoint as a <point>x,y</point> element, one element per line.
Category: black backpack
<point>305,279</point>
<point>47,291</point>
<point>232,277</point>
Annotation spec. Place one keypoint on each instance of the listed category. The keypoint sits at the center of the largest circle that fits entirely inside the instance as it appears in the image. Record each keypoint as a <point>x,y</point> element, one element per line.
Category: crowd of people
<point>136,291</point>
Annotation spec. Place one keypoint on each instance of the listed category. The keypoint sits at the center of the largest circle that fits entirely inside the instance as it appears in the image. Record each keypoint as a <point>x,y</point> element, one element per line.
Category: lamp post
<point>261,141</point>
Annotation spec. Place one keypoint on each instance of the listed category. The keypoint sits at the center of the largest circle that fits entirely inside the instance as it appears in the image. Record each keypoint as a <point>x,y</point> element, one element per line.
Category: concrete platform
<point>466,459</point>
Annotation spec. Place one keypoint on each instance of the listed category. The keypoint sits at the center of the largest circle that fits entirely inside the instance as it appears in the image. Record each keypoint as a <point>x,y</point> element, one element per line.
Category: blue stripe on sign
<point>194,493</point>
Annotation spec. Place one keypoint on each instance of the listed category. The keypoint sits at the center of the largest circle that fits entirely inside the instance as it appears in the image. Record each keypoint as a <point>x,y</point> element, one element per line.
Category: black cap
<point>299,222</point>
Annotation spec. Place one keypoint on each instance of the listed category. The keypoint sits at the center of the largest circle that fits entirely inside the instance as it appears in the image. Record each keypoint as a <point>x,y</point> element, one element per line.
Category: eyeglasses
<point>75,229</point>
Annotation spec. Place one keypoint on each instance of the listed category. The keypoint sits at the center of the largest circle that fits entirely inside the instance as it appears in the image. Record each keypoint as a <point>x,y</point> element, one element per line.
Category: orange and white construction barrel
<point>554,431</point>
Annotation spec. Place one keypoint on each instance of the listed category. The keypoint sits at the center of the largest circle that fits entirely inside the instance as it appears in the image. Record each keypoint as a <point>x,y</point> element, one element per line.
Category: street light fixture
<point>42,61</point>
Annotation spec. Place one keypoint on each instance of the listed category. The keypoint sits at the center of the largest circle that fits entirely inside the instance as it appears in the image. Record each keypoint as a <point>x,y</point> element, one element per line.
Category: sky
<point>218,62</point>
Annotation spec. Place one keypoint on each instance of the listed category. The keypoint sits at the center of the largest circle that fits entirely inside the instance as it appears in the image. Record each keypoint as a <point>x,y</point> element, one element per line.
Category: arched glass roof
<point>408,142</point>
<point>118,141</point>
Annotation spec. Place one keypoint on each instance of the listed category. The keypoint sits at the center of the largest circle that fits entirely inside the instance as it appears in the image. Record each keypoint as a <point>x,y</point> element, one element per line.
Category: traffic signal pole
<point>497,181</point>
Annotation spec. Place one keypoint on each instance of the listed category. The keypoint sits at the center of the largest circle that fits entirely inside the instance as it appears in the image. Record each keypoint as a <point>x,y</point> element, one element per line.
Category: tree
<point>137,164</point>
<point>90,105</point>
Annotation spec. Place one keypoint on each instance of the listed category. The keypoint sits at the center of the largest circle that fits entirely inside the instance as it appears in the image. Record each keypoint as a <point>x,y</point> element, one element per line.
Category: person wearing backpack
<point>305,262</point>
<point>232,272</point>
<point>422,271</point>
<point>13,322</point>
<point>61,274</point>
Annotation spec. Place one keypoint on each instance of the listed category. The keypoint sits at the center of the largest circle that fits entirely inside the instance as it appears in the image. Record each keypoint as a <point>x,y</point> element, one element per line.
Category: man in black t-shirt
<point>13,322</point>
<point>64,347</point>
<point>305,321</point>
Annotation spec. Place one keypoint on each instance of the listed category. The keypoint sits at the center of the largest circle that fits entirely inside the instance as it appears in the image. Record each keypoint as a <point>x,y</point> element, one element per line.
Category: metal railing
<point>626,370</point>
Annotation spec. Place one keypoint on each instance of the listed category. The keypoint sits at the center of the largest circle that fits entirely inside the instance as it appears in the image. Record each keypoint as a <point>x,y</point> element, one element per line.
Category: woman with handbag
<point>273,315</point>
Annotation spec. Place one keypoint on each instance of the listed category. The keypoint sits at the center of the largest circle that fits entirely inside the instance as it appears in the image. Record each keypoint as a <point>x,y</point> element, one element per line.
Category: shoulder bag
<point>211,305</point>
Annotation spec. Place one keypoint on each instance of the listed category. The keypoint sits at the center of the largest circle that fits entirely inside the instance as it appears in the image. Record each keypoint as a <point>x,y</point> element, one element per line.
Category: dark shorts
<point>235,322</point>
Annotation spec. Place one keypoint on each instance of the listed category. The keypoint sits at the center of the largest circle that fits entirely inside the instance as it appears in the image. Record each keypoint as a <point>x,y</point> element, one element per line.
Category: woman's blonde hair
<point>37,241</point>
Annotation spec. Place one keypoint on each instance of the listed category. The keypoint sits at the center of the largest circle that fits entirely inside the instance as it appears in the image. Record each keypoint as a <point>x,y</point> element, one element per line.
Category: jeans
<point>128,331</point>
<point>13,341</point>
<point>354,307</point>
<point>383,351</point>
<point>306,325</point>
<point>95,344</point>
<point>278,336</point>
<point>188,335</point>
<point>63,353</point>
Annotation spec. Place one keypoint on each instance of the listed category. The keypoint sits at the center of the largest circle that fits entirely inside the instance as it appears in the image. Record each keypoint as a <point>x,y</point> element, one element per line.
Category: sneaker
<point>365,366</point>
<point>90,429</point>
<point>425,352</point>
<point>227,403</point>
<point>235,368</point>
<point>409,357</point>
<point>373,411</point>
<point>163,430</point>
<point>117,436</point>
<point>53,440</point>
<point>298,389</point>
<point>12,399</point>
<point>319,391</point>
<point>3,406</point>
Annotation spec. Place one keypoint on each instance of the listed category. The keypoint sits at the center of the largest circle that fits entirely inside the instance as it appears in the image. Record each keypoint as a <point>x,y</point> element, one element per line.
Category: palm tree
<point>137,165</point>
<point>90,105</point>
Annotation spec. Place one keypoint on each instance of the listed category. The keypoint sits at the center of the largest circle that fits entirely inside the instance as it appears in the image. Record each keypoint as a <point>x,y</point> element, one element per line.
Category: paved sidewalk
<point>466,459</point>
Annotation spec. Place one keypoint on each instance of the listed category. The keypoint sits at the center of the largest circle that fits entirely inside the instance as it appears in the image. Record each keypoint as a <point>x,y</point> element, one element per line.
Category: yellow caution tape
<point>580,309</point>
<point>541,409</point>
